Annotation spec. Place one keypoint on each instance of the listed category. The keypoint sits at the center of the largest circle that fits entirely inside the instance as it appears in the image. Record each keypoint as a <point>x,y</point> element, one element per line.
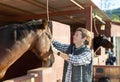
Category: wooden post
<point>88,15</point>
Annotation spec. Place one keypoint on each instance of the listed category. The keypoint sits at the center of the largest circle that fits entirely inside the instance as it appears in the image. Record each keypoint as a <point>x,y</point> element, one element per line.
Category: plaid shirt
<point>76,60</point>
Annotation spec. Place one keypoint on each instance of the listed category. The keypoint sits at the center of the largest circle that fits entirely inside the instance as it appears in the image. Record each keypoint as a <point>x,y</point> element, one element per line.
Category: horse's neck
<point>15,52</point>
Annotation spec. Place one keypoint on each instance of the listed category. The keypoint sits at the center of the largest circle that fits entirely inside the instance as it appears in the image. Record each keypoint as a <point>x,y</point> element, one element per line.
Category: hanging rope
<point>53,49</point>
<point>95,26</point>
<point>48,10</point>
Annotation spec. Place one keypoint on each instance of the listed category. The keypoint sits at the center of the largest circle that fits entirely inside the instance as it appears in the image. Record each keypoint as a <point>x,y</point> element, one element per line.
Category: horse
<point>101,40</point>
<point>17,39</point>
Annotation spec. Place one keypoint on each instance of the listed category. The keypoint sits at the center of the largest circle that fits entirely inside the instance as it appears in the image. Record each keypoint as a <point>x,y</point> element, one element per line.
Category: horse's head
<point>103,41</point>
<point>42,44</point>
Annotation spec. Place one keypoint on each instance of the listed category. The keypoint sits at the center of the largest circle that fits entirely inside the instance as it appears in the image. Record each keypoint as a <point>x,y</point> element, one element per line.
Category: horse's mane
<point>35,24</point>
<point>21,30</point>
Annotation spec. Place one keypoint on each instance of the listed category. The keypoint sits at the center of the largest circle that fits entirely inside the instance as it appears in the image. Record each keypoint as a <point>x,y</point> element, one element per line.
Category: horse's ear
<point>45,22</point>
<point>99,35</point>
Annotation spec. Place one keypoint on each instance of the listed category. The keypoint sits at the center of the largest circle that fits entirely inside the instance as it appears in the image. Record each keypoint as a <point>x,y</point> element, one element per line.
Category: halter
<point>50,37</point>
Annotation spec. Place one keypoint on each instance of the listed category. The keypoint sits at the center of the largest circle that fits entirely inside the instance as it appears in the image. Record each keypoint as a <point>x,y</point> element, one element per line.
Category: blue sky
<point>111,4</point>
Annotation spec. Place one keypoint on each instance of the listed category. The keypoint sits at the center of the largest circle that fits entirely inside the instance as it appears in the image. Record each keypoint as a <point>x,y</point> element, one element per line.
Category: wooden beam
<point>77,4</point>
<point>14,9</point>
<point>3,18</point>
<point>88,15</point>
<point>41,5</point>
<point>38,16</point>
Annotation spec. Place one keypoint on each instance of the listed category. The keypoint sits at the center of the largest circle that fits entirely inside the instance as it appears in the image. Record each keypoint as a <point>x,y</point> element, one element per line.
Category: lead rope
<point>48,19</point>
<point>48,10</point>
<point>96,30</point>
<point>95,26</point>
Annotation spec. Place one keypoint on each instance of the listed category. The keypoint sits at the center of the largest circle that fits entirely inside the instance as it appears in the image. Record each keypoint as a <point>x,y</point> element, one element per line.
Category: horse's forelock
<point>47,24</point>
<point>38,24</point>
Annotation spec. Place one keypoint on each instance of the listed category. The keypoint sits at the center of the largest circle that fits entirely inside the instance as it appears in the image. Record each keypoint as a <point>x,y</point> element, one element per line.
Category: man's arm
<point>61,47</point>
<point>81,59</point>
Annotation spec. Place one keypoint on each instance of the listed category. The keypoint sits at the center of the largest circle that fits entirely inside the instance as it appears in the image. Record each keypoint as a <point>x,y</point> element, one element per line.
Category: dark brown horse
<point>16,39</point>
<point>103,41</point>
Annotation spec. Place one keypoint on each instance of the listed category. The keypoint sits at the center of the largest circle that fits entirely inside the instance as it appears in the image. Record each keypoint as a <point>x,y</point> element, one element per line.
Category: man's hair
<point>85,33</point>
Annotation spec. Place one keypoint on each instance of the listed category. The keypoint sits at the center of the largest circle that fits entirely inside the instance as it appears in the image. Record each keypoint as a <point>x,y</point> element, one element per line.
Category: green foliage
<point>114,17</point>
<point>114,14</point>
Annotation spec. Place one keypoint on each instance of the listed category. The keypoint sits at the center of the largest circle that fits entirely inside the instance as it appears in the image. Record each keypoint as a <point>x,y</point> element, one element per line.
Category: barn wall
<point>106,31</point>
<point>61,33</point>
<point>115,33</point>
<point>113,72</point>
<point>115,30</point>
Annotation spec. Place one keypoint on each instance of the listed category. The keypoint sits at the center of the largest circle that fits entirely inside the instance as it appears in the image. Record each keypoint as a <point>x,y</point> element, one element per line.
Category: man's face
<point>77,38</point>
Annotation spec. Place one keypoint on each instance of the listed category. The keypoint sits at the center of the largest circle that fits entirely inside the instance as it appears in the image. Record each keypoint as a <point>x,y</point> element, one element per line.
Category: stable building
<point>66,16</point>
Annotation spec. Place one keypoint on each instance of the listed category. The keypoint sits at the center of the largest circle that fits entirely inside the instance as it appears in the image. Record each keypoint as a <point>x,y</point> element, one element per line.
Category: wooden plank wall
<point>113,72</point>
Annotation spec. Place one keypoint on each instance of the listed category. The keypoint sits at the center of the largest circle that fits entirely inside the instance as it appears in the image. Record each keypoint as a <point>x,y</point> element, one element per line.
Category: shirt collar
<point>80,47</point>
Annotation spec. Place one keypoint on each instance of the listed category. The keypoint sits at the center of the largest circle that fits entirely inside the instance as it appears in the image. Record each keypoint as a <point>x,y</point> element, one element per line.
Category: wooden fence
<point>36,75</point>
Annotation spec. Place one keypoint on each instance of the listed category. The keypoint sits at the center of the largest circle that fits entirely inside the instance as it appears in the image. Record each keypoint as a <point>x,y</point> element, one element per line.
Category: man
<point>77,56</point>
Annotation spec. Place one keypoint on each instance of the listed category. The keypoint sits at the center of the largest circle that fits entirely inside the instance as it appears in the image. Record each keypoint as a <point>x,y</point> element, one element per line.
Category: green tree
<point>115,17</point>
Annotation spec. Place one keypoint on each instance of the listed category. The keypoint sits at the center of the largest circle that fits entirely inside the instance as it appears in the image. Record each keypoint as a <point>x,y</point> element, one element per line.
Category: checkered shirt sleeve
<point>81,59</point>
<point>59,46</point>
